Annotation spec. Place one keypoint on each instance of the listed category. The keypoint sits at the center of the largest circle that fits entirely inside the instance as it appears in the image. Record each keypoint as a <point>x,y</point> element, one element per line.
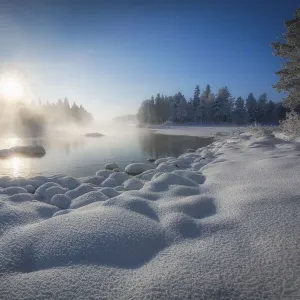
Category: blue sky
<point>110,55</point>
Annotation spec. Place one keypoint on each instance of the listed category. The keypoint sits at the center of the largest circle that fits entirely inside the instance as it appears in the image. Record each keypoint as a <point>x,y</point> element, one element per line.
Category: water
<point>81,156</point>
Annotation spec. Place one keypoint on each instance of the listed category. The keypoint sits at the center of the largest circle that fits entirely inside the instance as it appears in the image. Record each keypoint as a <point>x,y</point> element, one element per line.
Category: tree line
<point>62,112</point>
<point>206,108</point>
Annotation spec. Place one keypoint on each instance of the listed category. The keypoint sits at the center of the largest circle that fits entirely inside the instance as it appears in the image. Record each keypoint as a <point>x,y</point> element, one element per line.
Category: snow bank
<point>222,224</point>
<point>197,130</point>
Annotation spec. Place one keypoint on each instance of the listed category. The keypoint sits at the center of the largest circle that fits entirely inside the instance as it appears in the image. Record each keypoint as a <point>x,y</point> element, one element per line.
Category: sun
<point>11,88</point>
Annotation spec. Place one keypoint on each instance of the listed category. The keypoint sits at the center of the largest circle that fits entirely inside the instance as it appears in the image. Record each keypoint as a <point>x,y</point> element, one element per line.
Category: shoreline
<point>226,215</point>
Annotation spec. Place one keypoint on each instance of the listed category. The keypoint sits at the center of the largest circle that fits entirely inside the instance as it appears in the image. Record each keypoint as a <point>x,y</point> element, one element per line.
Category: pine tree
<point>251,105</point>
<point>240,115</point>
<point>289,81</point>
<point>221,106</point>
<point>261,108</point>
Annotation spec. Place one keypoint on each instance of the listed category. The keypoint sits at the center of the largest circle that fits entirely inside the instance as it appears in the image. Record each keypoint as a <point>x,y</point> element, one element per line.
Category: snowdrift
<point>224,224</point>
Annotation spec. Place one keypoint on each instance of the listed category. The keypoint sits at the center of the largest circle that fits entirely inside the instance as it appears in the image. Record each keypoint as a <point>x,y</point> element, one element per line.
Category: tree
<point>196,99</point>
<point>251,105</point>
<point>240,115</point>
<point>221,105</point>
<point>289,75</point>
<point>261,108</point>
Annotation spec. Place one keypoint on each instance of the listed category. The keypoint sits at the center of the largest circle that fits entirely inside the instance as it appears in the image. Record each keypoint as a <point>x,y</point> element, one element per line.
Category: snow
<point>133,184</point>
<point>61,201</point>
<point>111,166</point>
<point>138,168</point>
<point>224,224</point>
<point>196,130</point>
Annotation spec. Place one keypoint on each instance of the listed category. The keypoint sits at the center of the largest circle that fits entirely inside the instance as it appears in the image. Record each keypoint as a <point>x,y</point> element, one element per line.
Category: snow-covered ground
<point>196,130</point>
<point>220,223</point>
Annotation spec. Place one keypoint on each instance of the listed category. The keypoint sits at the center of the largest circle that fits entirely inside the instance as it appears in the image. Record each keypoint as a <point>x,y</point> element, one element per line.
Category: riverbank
<point>220,223</point>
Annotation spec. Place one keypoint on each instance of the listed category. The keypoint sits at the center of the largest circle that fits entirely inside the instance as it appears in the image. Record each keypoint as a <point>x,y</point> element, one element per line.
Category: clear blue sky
<point>110,55</point>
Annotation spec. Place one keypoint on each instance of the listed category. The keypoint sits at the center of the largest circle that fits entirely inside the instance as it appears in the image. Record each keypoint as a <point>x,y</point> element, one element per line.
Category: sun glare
<point>11,88</point>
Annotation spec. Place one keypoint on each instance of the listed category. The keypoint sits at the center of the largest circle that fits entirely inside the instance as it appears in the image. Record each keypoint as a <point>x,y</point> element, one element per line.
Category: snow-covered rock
<point>21,197</point>
<point>109,192</point>
<point>95,180</point>
<point>138,168</point>
<point>61,201</point>
<point>53,190</point>
<point>133,184</point>
<point>230,232</point>
<point>119,177</point>
<point>109,182</point>
<point>104,173</point>
<point>161,160</point>
<point>151,159</point>
<point>30,188</point>
<point>111,166</point>
<point>80,190</point>
<point>9,191</point>
<point>88,198</point>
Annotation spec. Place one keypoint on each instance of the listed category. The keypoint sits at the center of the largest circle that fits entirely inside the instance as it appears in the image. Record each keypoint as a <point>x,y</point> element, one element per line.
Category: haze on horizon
<point>111,55</point>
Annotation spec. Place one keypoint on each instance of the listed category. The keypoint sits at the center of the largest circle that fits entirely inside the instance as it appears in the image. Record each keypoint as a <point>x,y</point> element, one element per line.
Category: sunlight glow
<point>15,164</point>
<point>11,87</point>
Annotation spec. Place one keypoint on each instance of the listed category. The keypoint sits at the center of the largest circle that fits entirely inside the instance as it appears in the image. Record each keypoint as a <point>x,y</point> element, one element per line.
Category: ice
<point>61,201</point>
<point>230,231</point>
<point>138,168</point>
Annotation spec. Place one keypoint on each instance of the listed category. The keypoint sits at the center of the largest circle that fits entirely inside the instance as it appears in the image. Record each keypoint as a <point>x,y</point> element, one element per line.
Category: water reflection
<point>160,145</point>
<point>80,156</point>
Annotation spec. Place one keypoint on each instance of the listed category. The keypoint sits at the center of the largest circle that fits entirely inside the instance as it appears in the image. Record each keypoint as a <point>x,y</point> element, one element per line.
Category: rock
<point>94,134</point>
<point>191,150</point>
<point>151,159</point>
<point>116,170</point>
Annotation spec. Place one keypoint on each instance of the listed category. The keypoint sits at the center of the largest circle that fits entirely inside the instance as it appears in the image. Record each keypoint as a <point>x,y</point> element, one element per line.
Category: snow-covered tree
<point>221,106</point>
<point>289,75</point>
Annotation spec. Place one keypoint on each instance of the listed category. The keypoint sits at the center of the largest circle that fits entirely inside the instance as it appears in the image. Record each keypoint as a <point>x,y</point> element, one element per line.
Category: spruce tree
<point>289,75</point>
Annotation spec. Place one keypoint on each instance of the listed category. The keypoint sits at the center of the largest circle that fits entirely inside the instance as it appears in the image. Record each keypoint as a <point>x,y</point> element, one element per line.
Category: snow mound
<point>9,191</point>
<point>109,192</point>
<point>119,177</point>
<point>104,173</point>
<point>109,182</point>
<point>229,232</point>
<point>53,190</point>
<point>80,190</point>
<point>133,184</point>
<point>138,168</point>
<point>88,198</point>
<point>111,166</point>
<point>21,197</point>
<point>61,201</point>
<point>95,180</point>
